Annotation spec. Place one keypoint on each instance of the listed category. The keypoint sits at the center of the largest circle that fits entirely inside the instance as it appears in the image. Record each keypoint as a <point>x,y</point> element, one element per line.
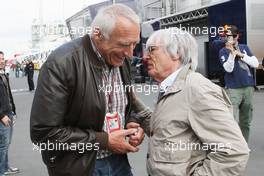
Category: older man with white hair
<point>192,130</point>
<point>77,117</point>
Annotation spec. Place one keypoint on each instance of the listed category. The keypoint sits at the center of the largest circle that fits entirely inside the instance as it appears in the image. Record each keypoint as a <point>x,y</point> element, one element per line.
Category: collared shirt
<point>99,56</point>
<point>113,84</point>
<point>166,83</point>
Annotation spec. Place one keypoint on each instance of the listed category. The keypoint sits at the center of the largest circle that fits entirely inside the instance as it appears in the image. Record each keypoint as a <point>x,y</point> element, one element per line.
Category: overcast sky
<point>16,17</point>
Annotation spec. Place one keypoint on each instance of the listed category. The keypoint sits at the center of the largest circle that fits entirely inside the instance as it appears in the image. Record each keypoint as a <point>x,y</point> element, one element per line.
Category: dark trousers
<point>30,81</point>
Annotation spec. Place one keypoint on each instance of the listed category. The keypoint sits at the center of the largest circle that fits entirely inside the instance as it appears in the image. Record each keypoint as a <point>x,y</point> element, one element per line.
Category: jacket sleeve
<point>212,121</point>
<point>12,99</point>
<point>140,114</point>
<point>1,101</point>
<point>227,59</point>
<point>49,108</point>
<point>249,58</point>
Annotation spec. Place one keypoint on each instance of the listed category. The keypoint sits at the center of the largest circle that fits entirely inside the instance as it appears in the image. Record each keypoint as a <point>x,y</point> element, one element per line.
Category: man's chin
<point>118,63</point>
<point>151,73</point>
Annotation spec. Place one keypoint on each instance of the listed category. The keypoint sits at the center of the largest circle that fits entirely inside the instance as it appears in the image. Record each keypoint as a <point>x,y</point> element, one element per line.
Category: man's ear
<point>96,30</point>
<point>98,35</point>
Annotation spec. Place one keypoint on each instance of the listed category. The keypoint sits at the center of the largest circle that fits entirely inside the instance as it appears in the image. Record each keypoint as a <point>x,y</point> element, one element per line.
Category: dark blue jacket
<point>239,77</point>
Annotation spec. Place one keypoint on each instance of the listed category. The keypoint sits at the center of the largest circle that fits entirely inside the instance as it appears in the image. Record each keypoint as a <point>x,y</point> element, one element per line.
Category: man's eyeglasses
<point>152,48</point>
<point>234,36</point>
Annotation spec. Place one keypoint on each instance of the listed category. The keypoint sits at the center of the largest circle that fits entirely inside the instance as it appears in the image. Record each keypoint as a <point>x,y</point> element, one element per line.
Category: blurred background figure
<point>23,66</point>
<point>7,70</point>
<point>239,64</point>
<point>29,70</point>
<point>18,68</point>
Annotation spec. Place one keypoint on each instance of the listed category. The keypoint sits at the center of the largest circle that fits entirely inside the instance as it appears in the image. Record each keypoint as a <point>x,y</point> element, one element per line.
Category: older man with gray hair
<point>192,130</point>
<point>76,121</point>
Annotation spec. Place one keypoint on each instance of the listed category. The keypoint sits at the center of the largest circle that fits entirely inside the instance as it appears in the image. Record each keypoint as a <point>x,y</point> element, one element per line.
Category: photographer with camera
<point>239,64</point>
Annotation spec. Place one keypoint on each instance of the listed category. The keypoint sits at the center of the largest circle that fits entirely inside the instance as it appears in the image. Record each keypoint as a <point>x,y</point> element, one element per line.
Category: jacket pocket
<point>199,171</point>
<point>51,158</point>
<point>170,153</point>
<point>66,163</point>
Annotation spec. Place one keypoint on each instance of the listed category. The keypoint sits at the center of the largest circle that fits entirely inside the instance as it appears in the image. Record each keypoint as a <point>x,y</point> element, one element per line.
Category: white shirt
<point>252,61</point>
<point>7,69</point>
<point>166,83</point>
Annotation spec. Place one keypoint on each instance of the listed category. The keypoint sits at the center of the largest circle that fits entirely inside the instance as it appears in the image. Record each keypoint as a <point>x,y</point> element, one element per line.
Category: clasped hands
<point>117,142</point>
<point>234,51</point>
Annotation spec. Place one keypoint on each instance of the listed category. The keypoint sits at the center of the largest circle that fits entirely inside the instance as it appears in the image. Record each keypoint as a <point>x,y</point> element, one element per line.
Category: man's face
<point>232,39</point>
<point>160,63</point>
<point>121,42</point>
<point>2,62</point>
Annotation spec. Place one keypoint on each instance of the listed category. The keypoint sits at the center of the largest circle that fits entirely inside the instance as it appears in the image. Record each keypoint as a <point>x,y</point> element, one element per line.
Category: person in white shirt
<point>239,65</point>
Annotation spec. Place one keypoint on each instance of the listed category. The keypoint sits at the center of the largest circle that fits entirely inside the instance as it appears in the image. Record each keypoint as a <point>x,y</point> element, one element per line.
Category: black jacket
<point>69,108</point>
<point>29,69</point>
<point>5,91</point>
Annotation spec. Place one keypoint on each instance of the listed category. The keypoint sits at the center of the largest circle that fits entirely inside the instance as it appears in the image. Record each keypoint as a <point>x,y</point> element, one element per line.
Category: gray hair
<point>106,18</point>
<point>176,41</point>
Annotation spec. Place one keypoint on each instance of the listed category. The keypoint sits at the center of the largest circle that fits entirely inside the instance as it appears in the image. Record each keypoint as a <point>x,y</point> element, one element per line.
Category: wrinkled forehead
<point>125,28</point>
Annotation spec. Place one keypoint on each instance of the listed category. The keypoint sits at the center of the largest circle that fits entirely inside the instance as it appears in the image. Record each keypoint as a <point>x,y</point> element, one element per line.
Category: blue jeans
<point>5,140</point>
<point>114,165</point>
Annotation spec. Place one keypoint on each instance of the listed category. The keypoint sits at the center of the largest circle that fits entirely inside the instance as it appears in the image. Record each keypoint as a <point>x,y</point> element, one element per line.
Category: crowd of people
<point>211,123</point>
<point>25,68</point>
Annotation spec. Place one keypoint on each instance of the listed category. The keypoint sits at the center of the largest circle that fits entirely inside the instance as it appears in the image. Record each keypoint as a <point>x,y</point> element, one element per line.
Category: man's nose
<point>146,56</point>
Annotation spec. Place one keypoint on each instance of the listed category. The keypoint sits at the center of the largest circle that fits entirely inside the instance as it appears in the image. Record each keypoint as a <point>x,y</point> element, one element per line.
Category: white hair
<point>105,19</point>
<point>176,41</point>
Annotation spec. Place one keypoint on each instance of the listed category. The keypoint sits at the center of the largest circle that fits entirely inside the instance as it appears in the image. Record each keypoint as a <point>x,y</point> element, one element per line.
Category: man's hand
<point>14,119</point>
<point>6,121</point>
<point>230,46</point>
<point>136,138</point>
<point>238,53</point>
<point>117,142</point>
<point>234,51</point>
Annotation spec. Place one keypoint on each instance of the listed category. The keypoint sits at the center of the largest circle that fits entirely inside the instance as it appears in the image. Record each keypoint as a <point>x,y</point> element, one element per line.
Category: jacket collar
<point>167,82</point>
<point>93,58</point>
<point>180,80</point>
